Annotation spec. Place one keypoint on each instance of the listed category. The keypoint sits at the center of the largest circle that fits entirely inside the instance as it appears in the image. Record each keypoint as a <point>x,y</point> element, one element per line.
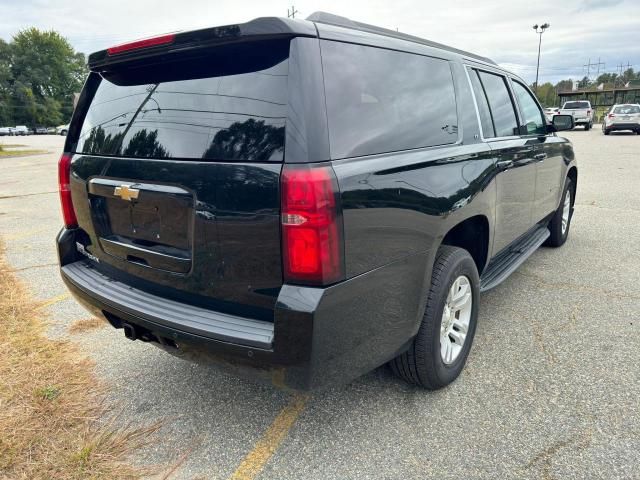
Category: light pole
<point>539,30</point>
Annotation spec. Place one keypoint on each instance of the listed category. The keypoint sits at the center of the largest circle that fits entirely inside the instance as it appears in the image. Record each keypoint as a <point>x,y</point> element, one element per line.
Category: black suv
<point>306,200</point>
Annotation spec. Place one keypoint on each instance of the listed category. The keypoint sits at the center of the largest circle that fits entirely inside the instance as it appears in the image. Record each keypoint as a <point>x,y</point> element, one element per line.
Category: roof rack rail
<point>339,21</point>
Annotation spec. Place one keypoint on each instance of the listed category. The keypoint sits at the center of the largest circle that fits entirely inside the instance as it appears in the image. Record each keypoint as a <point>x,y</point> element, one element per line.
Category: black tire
<point>587,126</point>
<point>422,363</point>
<point>558,237</point>
<point>606,132</point>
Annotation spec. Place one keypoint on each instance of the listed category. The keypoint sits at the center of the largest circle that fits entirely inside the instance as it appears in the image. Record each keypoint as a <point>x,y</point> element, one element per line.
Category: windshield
<point>576,105</point>
<point>627,109</point>
<point>230,104</point>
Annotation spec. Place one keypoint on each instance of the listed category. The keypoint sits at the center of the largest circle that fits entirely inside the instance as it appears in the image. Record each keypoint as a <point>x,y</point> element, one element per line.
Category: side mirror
<point>562,122</point>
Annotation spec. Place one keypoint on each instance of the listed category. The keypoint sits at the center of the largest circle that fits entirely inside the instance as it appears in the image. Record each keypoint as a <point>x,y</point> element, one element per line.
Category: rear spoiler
<point>261,28</point>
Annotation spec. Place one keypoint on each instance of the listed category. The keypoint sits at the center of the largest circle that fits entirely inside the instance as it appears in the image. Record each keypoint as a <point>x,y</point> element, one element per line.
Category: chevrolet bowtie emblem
<point>125,192</point>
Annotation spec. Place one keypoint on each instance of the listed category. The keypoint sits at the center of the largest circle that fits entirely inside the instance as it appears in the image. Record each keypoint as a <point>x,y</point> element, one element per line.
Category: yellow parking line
<point>54,300</point>
<point>257,458</point>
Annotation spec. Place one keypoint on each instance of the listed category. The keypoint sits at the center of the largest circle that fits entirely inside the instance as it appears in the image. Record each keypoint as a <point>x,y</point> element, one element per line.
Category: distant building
<point>602,99</point>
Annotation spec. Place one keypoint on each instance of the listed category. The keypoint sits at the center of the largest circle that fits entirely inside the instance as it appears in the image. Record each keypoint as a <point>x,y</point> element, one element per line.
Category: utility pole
<point>598,64</point>
<point>292,13</point>
<point>589,65</point>
<point>539,30</point>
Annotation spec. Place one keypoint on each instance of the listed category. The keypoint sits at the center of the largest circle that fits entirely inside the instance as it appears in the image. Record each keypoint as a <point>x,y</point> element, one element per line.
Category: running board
<point>506,263</point>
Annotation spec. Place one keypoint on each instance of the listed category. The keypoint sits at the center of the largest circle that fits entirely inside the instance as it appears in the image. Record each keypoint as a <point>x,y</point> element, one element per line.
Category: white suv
<point>622,117</point>
<point>21,130</point>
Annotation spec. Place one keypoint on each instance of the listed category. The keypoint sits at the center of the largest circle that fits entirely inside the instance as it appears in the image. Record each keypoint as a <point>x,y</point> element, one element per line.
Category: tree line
<point>39,74</point>
<point>548,92</point>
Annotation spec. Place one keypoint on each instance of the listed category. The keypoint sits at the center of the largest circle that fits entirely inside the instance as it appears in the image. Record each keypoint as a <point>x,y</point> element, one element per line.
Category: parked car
<point>6,131</point>
<point>550,112</point>
<point>51,130</point>
<point>40,130</point>
<point>62,130</point>
<point>622,117</point>
<point>338,199</point>
<point>581,112</point>
<point>21,130</point>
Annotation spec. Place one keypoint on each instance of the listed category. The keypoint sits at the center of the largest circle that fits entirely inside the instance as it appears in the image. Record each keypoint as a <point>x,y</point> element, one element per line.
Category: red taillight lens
<point>611,115</point>
<point>140,44</point>
<point>312,247</point>
<point>588,112</point>
<point>64,175</point>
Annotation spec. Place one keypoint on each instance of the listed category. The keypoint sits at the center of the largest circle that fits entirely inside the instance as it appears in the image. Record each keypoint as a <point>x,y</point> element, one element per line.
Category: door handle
<point>540,156</point>
<point>504,164</point>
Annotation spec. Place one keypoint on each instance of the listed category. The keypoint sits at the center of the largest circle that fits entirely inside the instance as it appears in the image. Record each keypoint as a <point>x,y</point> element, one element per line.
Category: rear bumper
<point>622,126</point>
<point>319,336</point>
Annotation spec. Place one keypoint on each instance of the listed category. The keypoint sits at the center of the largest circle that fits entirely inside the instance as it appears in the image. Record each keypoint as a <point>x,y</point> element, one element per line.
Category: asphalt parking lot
<point>551,389</point>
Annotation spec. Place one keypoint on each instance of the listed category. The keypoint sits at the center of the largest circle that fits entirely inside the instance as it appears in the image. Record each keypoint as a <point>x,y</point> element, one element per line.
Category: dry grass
<point>87,324</point>
<point>20,153</point>
<point>51,403</point>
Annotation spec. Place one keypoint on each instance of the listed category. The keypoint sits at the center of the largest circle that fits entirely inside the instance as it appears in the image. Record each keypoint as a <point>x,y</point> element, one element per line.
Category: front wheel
<point>439,351</point>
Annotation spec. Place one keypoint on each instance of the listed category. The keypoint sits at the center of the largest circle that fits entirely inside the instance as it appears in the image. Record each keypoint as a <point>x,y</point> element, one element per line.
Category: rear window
<point>382,100</point>
<point>627,109</point>
<point>574,105</point>
<point>227,104</point>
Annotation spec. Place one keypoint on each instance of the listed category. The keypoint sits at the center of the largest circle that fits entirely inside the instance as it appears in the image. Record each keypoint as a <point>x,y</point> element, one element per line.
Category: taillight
<point>588,112</point>
<point>312,247</point>
<point>140,44</point>
<point>64,176</point>
<point>611,115</point>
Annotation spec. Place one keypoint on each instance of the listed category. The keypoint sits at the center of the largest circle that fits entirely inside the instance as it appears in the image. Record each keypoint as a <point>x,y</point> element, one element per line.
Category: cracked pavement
<point>550,391</point>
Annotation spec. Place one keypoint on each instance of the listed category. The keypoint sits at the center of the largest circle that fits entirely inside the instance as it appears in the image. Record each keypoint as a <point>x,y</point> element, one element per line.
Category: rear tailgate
<point>175,175</point>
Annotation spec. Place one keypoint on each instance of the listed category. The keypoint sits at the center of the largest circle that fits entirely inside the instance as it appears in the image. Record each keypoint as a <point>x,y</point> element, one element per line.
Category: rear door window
<point>488,130</point>
<point>381,100</point>
<point>502,109</point>
<point>227,104</point>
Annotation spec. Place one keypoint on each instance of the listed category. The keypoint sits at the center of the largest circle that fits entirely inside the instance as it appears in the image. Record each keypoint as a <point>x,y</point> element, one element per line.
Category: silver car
<point>550,112</point>
<point>622,117</point>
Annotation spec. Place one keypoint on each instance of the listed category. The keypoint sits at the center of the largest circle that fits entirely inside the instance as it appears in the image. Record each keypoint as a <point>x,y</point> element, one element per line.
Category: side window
<point>488,131</point>
<point>533,120</point>
<point>382,100</point>
<point>502,111</point>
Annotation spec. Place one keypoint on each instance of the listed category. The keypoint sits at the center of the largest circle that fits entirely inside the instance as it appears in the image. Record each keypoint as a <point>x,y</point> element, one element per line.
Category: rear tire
<point>561,221</point>
<point>587,126</point>
<point>430,361</point>
<point>606,132</point>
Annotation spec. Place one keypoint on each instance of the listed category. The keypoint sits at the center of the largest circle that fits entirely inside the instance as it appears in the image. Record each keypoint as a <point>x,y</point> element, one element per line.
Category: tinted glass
<point>381,100</point>
<point>627,109</point>
<point>576,105</point>
<point>533,119</point>
<point>483,106</point>
<point>228,104</point>
<point>502,112</point>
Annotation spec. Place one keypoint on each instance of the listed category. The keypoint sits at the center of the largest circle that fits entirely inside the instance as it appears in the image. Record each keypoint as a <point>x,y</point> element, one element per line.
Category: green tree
<point>45,72</point>
<point>6,115</point>
<point>547,95</point>
<point>564,85</point>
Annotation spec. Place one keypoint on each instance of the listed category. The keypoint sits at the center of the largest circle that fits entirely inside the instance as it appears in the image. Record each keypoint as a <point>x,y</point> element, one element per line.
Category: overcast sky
<point>501,30</point>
